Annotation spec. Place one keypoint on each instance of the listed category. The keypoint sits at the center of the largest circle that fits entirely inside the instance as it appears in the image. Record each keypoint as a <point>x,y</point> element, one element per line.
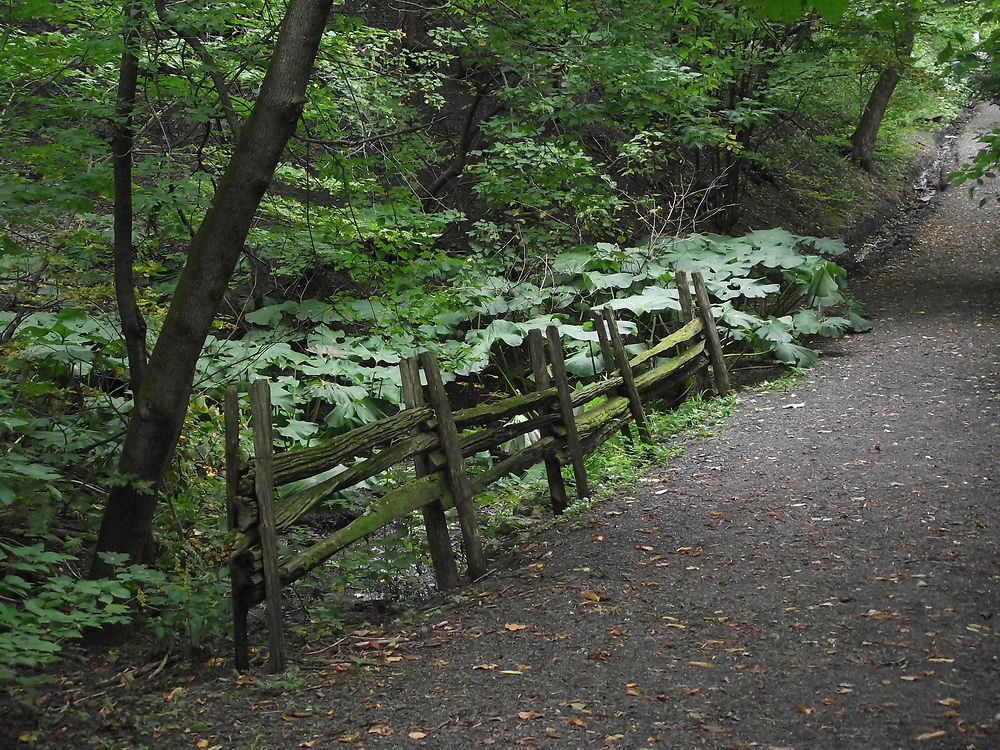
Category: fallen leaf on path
<point>909,678</point>
<point>527,715</point>
<point>705,664</point>
<point>513,626</point>
<point>576,722</point>
<point>417,735</point>
<point>950,702</point>
<point>589,597</point>
<point>485,666</point>
<point>632,688</point>
<point>931,735</point>
<point>380,730</point>
<point>804,709</point>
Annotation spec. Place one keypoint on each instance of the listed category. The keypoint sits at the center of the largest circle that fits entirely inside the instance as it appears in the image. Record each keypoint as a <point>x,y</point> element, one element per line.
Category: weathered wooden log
<point>395,504</point>
<point>291,508</point>
<point>688,332</point>
<point>719,371</point>
<point>553,471</point>
<point>689,314</point>
<point>361,441</point>
<point>458,480</point>
<point>241,646</point>
<point>631,393</point>
<point>645,382</point>
<point>609,363</point>
<point>435,522</point>
<point>566,411</point>
<point>260,403</point>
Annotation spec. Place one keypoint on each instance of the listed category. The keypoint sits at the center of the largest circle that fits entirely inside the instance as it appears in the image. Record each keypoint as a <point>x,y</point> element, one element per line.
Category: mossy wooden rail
<point>436,440</point>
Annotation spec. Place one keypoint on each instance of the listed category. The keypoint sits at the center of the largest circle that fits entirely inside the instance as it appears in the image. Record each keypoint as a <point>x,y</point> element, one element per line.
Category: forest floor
<point>822,572</point>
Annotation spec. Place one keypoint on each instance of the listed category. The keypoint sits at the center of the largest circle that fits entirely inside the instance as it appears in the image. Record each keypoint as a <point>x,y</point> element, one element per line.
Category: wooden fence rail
<point>436,440</point>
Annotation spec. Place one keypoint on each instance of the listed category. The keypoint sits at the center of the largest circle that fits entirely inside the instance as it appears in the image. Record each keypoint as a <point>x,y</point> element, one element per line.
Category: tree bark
<point>122,143</point>
<point>863,138</point>
<point>162,401</point>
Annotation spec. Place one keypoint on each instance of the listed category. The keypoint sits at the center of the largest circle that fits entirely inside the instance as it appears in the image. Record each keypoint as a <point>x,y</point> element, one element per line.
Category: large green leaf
<point>651,299</point>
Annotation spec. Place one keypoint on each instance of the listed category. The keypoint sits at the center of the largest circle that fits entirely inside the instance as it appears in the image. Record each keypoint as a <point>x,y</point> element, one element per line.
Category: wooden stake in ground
<point>435,521</point>
<point>634,402</point>
<point>263,448</point>
<point>609,361</point>
<point>573,446</point>
<point>240,645</point>
<point>688,313</point>
<point>719,371</point>
<point>457,478</point>
<point>553,470</point>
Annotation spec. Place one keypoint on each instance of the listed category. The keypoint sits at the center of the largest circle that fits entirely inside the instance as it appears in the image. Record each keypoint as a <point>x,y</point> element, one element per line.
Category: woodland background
<point>445,177</point>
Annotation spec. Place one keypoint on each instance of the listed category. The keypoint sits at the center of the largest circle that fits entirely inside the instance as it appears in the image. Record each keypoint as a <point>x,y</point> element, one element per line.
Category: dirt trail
<point>822,573</point>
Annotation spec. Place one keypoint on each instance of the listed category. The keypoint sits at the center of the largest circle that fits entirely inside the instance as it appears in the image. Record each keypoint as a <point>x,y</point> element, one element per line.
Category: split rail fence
<point>437,440</point>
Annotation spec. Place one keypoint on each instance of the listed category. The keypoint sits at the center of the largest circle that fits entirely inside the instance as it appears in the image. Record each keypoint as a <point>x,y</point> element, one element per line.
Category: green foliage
<point>457,179</point>
<point>982,167</point>
<point>43,605</point>
<point>183,606</point>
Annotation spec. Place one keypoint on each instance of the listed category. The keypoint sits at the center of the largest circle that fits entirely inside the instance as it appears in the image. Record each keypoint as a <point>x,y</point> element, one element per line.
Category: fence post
<point>553,470</point>
<point>609,362</point>
<point>458,479</point>
<point>688,313</point>
<point>573,446</point>
<point>435,522</point>
<point>263,448</point>
<point>634,402</point>
<point>719,372</point>
<point>236,576</point>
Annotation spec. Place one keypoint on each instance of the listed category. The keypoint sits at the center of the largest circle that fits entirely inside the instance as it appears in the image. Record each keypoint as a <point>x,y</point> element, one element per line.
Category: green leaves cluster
<point>42,606</point>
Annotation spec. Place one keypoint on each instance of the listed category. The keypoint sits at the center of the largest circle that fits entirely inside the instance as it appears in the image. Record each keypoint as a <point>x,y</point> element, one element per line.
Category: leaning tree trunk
<point>162,401</point>
<point>863,138</point>
<point>122,141</point>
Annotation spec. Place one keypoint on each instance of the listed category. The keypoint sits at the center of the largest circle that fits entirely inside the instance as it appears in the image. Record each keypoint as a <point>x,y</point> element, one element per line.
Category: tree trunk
<point>122,138</point>
<point>863,138</point>
<point>162,400</point>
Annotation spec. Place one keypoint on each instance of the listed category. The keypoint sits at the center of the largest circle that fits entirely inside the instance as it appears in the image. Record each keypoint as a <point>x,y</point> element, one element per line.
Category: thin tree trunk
<point>122,143</point>
<point>863,138</point>
<point>162,401</point>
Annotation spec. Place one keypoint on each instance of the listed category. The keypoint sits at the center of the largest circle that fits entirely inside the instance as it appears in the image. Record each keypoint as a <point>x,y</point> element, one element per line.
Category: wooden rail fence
<point>437,440</point>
